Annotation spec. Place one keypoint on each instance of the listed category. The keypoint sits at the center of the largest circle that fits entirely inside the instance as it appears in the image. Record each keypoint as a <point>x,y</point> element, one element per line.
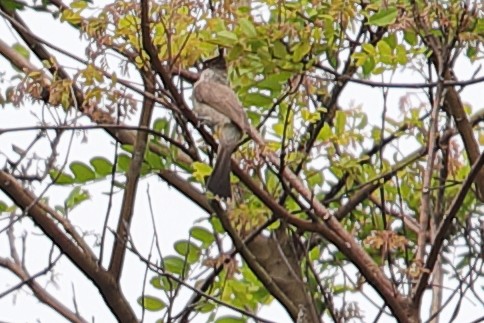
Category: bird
<point>216,104</point>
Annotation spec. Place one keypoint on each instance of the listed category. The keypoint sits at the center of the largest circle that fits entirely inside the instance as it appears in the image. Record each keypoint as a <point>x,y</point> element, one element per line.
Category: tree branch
<point>443,229</point>
<point>132,178</point>
<point>42,216</point>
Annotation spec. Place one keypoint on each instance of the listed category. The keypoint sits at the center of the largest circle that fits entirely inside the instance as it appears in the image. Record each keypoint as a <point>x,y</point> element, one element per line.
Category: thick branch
<point>254,265</point>
<point>443,229</point>
<point>425,207</point>
<point>42,215</point>
<point>132,178</point>
<point>455,107</point>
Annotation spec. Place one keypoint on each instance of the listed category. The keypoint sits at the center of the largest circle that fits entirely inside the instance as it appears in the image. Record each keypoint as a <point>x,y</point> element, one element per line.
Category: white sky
<point>174,214</point>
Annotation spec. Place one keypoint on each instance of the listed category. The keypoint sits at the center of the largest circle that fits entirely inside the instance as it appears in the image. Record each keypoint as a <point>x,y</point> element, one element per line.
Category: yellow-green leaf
<point>188,250</point>
<point>384,17</point>
<point>247,27</point>
<point>201,170</point>
<point>151,303</point>
<point>257,99</point>
<point>82,172</point>
<point>300,51</point>
<point>22,50</point>
<point>227,37</point>
<point>340,122</point>
<point>60,178</point>
<point>203,235</point>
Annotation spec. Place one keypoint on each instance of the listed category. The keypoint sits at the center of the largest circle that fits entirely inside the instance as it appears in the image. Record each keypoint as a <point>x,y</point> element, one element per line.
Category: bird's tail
<point>219,181</point>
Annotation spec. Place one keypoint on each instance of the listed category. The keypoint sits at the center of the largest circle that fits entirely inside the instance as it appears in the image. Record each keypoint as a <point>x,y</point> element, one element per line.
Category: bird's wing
<point>223,99</point>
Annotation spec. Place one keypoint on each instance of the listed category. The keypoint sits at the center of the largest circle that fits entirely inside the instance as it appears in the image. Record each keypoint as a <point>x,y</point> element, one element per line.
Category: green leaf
<point>163,283</point>
<point>301,50</point>
<point>279,49</point>
<point>188,250</point>
<point>102,166</point>
<point>340,122</point>
<point>60,178</point>
<point>78,4</point>
<point>151,303</point>
<point>161,125</point>
<point>360,58</point>
<point>123,162</point>
<point>310,116</point>
<point>380,69</point>
<point>11,5</point>
<point>479,27</point>
<point>410,37</point>
<point>257,99</point>
<point>71,17</point>
<point>82,172</point>
<point>325,132</point>
<point>332,56</point>
<point>274,81</point>
<point>76,197</point>
<point>154,160</point>
<point>401,54</point>
<point>368,48</point>
<point>315,254</point>
<point>227,37</point>
<point>146,168</point>
<point>247,27</point>
<point>363,122</point>
<point>391,40</point>
<point>235,52</point>
<point>201,170</point>
<point>127,148</point>
<point>384,17</point>
<point>384,48</point>
<point>175,265</point>
<point>315,179</point>
<point>22,50</point>
<point>471,51</point>
<point>217,225</point>
<point>230,319</point>
<point>156,282</point>
<point>3,206</point>
<point>205,307</point>
<point>369,65</point>
<point>203,235</point>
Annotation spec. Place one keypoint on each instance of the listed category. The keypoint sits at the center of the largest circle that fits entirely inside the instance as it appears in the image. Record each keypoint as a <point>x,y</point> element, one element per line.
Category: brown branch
<point>367,188</point>
<point>133,174</point>
<point>444,228</point>
<point>429,85</point>
<point>368,153</point>
<point>181,282</point>
<point>21,28</point>
<point>42,216</point>
<point>455,107</point>
<point>132,179</point>
<point>208,281</point>
<point>39,291</point>
<point>18,268</point>
<point>262,274</point>
<point>330,228</point>
<point>425,208</point>
<point>330,102</point>
<point>333,232</point>
<point>440,58</point>
<point>254,264</point>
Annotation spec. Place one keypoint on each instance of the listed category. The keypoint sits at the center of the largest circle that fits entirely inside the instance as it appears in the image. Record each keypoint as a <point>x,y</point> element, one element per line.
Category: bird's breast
<point>205,113</point>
